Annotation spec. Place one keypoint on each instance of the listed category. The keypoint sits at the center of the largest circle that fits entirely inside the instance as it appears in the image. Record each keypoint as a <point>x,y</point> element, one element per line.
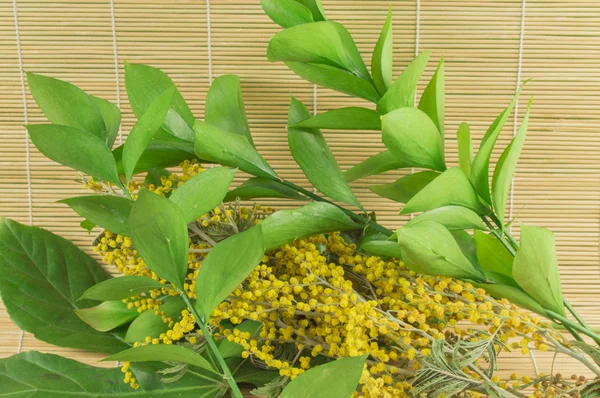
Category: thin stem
<point>568,323</point>
<point>213,347</point>
<point>493,230</point>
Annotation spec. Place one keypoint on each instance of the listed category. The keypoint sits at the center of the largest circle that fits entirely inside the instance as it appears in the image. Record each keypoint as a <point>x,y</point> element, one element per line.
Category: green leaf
<point>87,225</point>
<point>203,192</point>
<point>159,233</point>
<point>382,162</point>
<point>505,168</point>
<point>465,148</point>
<point>429,248</point>
<point>381,248</point>
<point>154,176</point>
<point>230,149</point>
<point>455,218</point>
<point>158,154</point>
<point>108,315</point>
<point>481,163</point>
<point>229,349</point>
<point>381,62</point>
<point>75,148</point>
<point>350,118</point>
<point>108,211</point>
<point>143,131</point>
<point>402,93</point>
<point>286,13</point>
<point>144,83</point>
<point>432,100</point>
<point>121,288</point>
<point>226,266</point>
<point>405,188</point>
<point>325,43</point>
<point>451,188</point>
<point>467,245</point>
<point>413,137</point>
<point>335,379</point>
<point>162,353</point>
<point>258,187</point>
<point>111,116</point>
<point>67,105</point>
<point>225,106</point>
<point>42,276</point>
<point>493,255</point>
<point>535,268</point>
<point>36,375</point>
<point>148,324</point>
<point>513,294</point>
<point>314,157</point>
<point>315,8</point>
<point>335,79</point>
<point>285,226</point>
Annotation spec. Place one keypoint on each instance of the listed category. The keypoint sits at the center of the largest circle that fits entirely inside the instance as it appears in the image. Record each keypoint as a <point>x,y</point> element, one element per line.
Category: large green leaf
<point>513,294</point>
<point>67,105</point>
<point>336,79</point>
<point>451,188</point>
<point>403,189</point>
<point>203,192</point>
<point>465,148</point>
<point>382,162</point>
<point>287,13</point>
<point>121,288</point>
<point>111,116</point>
<point>335,379</point>
<point>402,93</point>
<point>258,187</point>
<point>149,324</point>
<point>314,157</point>
<point>230,149</point>
<point>286,226</point>
<point>225,106</point>
<point>429,248</point>
<point>36,375</point>
<point>75,148</point>
<point>432,100</point>
<point>413,137</point>
<point>159,233</point>
<point>505,168</point>
<point>481,163</point>
<point>42,276</point>
<point>108,315</point>
<point>350,118</point>
<point>226,266</point>
<point>143,131</point>
<point>381,62</point>
<point>144,83</point>
<point>535,268</point>
<point>108,211</point>
<point>493,255</point>
<point>455,218</point>
<point>315,8</point>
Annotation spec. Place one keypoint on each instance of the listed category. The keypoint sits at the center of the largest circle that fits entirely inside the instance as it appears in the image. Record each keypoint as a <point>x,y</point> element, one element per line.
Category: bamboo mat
<point>488,46</point>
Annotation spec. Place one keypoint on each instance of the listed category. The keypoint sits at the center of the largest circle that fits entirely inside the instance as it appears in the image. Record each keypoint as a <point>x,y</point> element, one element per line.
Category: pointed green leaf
<point>315,8</point>
<point>149,324</point>
<point>382,162</point>
<point>403,189</point>
<point>465,148</point>
<point>162,353</point>
<point>143,131</point>
<point>429,248</point>
<point>432,100</point>
<point>225,106</point>
<point>402,93</point>
<point>492,254</point>
<point>258,187</point>
<point>505,168</point>
<point>121,288</point>
<point>413,137</point>
<point>452,187</point>
<point>75,148</point>
<point>229,149</point>
<point>87,225</point>
<point>535,268</point>
<point>203,192</point>
<point>287,13</point>
<point>111,116</point>
<point>226,266</point>
<point>335,379</point>
<point>108,211</point>
<point>455,218</point>
<point>350,118</point>
<point>513,294</point>
<point>314,157</point>
<point>467,245</point>
<point>381,62</point>
<point>286,226</point>
<point>381,248</point>
<point>159,233</point>
<point>108,315</point>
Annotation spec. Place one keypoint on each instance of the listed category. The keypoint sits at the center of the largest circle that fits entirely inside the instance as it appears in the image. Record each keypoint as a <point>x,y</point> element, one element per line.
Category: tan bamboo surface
<point>488,46</point>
